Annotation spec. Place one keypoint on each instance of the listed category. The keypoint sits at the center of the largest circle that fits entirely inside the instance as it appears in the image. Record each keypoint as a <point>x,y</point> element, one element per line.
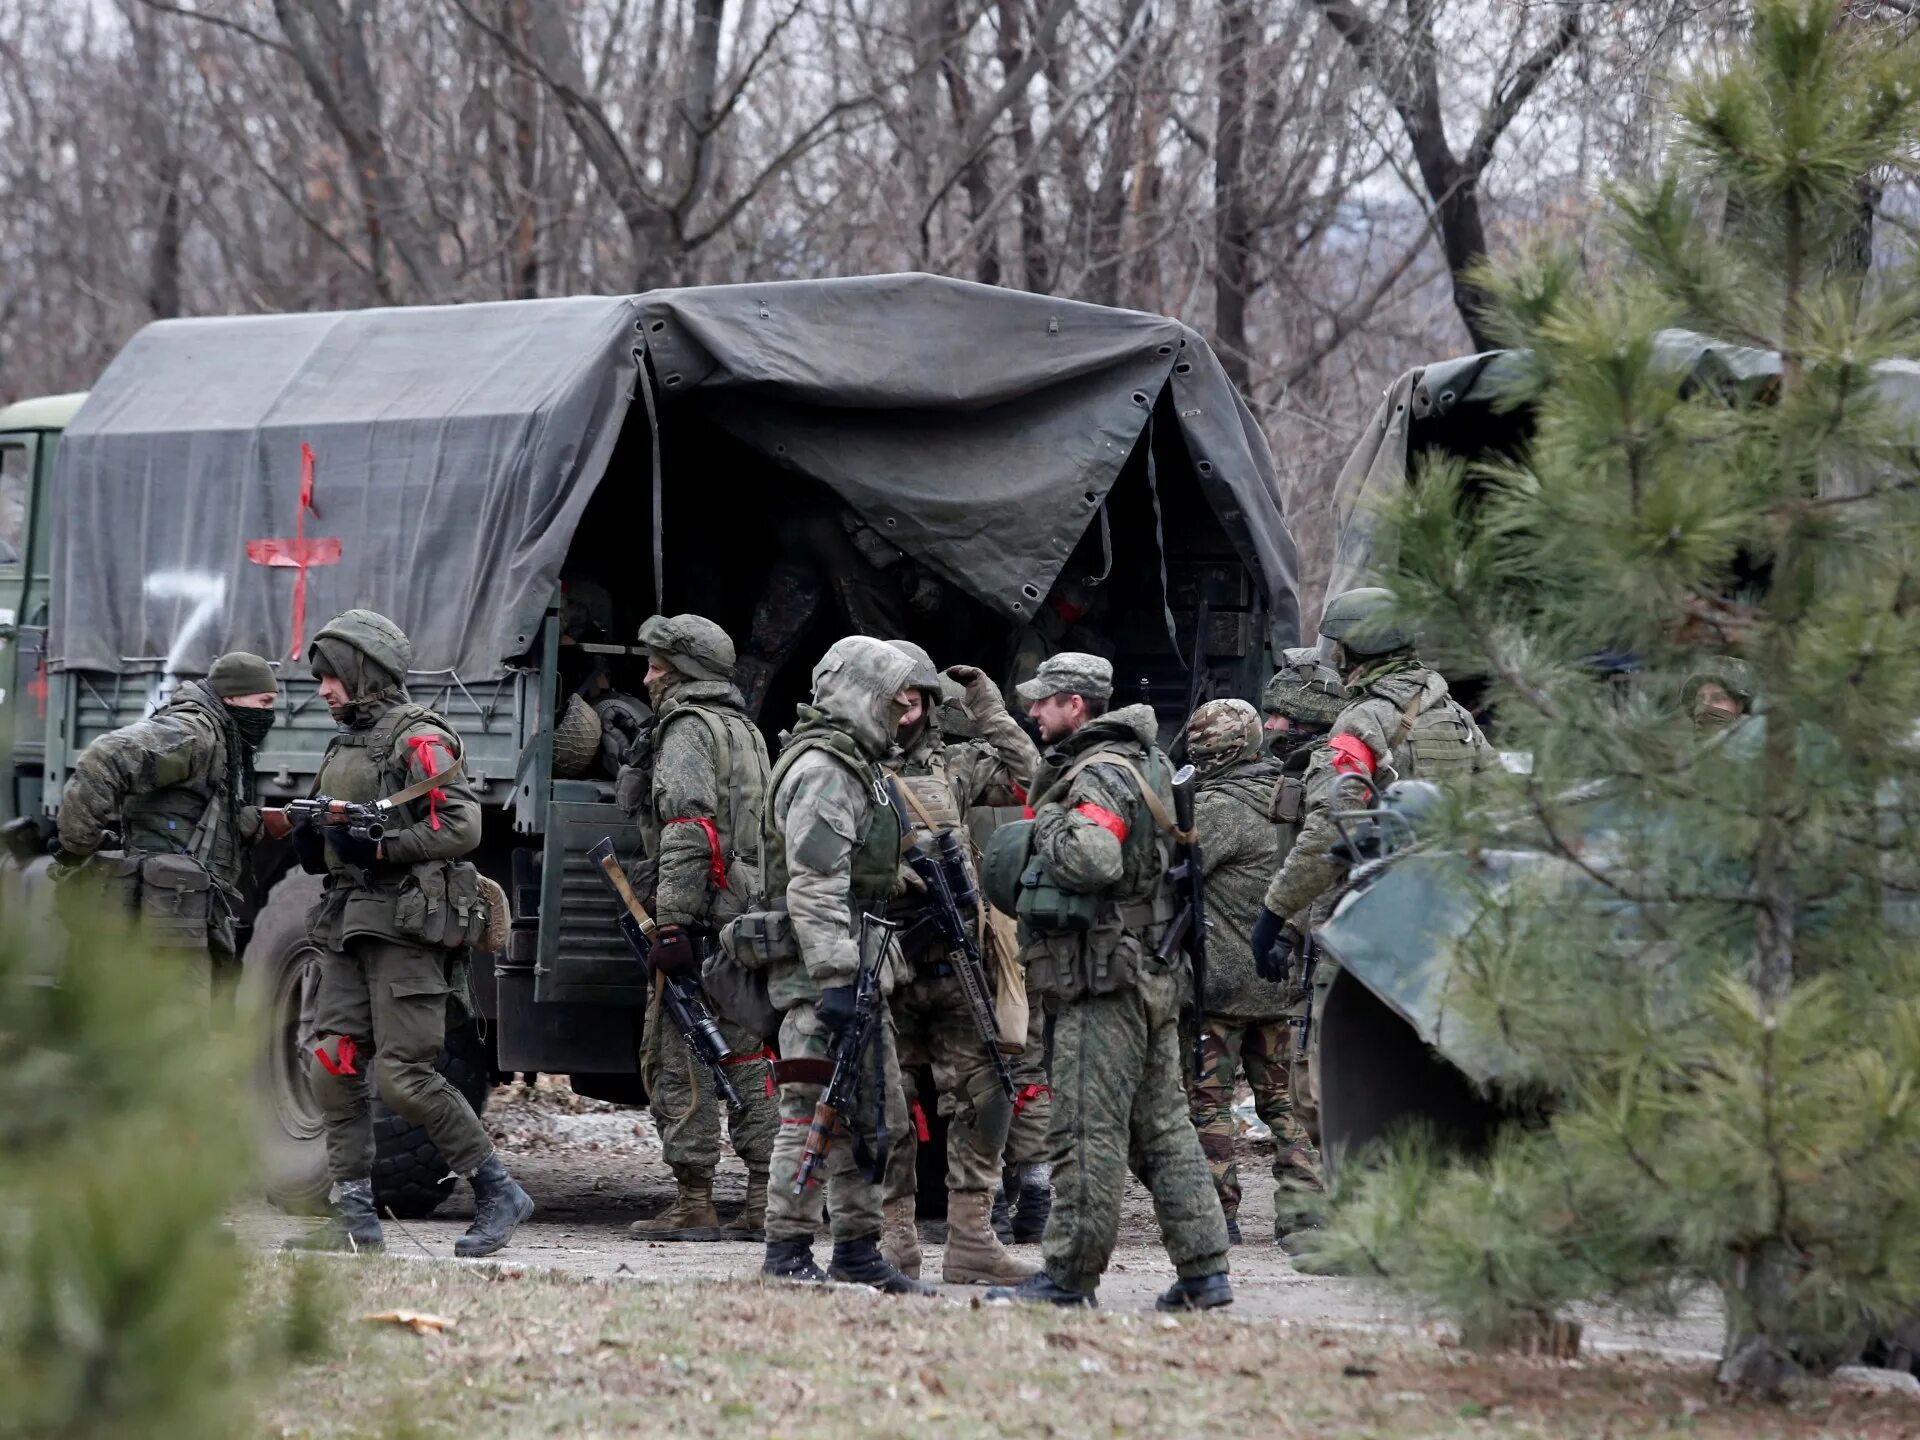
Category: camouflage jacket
<point>1242,847</point>
<point>704,794</point>
<point>1402,724</point>
<point>152,781</point>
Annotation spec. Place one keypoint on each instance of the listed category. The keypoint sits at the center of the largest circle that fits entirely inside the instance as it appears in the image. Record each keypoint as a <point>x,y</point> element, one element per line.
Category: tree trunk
<point>1232,229</point>
<point>1035,270</point>
<point>974,178</point>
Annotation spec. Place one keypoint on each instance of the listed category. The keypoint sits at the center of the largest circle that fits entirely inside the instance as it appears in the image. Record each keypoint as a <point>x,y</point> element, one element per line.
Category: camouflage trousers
<point>685,1109</point>
<point>1032,1097</point>
<point>1118,1104</point>
<point>390,998</point>
<point>1264,1050</point>
<point>853,1199</point>
<point>933,1027</point>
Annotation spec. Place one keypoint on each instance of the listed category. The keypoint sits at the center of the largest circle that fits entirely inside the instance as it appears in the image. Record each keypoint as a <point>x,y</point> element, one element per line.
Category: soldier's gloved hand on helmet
<point>361,853</point>
<point>835,1007</point>
<point>675,951</point>
<point>1274,942</point>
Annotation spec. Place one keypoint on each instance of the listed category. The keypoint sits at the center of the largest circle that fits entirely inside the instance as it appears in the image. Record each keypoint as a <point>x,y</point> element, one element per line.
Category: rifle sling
<point>1155,805</point>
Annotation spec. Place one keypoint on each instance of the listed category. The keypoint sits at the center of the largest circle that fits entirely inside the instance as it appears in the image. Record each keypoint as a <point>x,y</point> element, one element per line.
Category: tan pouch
<point>1010,1008</point>
<point>176,901</point>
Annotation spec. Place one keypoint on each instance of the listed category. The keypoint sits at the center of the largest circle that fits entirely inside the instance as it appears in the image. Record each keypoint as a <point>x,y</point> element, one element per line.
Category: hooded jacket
<point>833,839</point>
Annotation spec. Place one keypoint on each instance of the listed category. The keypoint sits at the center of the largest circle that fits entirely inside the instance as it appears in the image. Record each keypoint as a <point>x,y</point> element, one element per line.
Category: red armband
<point>716,863</point>
<point>1351,756</point>
<point>423,747</point>
<point>1105,819</point>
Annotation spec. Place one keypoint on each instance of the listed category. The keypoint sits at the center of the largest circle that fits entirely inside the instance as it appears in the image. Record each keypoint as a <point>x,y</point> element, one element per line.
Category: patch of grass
<point>540,1354</point>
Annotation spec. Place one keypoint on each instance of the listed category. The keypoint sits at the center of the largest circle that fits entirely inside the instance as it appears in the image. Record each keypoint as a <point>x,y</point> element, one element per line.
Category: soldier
<point>381,1005</point>
<point>939,783</point>
<point>1247,1024</point>
<point>1720,692</point>
<point>700,790</point>
<point>180,783</point>
<point>832,850</point>
<point>1093,903</point>
<point>1399,723</point>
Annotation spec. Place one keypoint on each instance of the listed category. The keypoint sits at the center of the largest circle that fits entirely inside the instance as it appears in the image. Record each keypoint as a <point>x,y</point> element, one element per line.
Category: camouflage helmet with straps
<point>374,636</point>
<point>926,675</point>
<point>1305,688</point>
<point>1367,621</point>
<point>691,644</point>
<point>1221,732</point>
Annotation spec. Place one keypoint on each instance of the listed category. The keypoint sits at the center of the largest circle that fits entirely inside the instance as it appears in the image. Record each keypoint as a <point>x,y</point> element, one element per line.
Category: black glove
<point>835,1008</point>
<point>65,862</point>
<point>360,853</point>
<point>1273,944</point>
<point>675,951</point>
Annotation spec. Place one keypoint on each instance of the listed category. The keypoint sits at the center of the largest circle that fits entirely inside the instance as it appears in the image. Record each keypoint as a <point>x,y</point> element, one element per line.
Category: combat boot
<point>1202,1292</point>
<point>1002,1215</point>
<point>1033,1204</point>
<point>351,1225</point>
<point>900,1240</point>
<point>1040,1288</point>
<point>974,1254</point>
<point>691,1216</point>
<point>499,1205</point>
<point>859,1262</point>
<point>792,1260</point>
<point>751,1222</point>
<point>1233,1230</point>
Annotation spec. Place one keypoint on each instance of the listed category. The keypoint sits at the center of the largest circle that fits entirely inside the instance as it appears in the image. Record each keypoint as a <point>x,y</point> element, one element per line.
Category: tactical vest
<point>1288,808</point>
<point>876,855</point>
<point>361,766</point>
<point>170,821</point>
<point>744,790</point>
<point>1437,742</point>
<point>1112,953</point>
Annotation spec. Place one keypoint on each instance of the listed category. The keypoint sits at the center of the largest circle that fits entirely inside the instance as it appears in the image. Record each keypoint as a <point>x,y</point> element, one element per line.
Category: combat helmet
<point>926,675</point>
<point>1367,621</point>
<point>1221,732</point>
<point>1305,688</point>
<point>1732,675</point>
<point>690,644</point>
<point>374,636</point>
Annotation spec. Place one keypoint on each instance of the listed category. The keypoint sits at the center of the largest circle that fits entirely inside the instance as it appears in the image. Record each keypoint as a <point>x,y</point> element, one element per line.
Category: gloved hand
<point>675,952</point>
<point>65,862</point>
<point>835,1008</point>
<point>361,853</point>
<point>1273,945</point>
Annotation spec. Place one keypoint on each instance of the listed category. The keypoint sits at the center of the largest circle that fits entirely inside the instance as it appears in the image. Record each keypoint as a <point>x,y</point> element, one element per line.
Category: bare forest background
<point>1303,181</point>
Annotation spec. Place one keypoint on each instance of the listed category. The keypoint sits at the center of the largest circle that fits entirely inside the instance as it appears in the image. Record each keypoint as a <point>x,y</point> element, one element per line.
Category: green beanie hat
<point>238,673</point>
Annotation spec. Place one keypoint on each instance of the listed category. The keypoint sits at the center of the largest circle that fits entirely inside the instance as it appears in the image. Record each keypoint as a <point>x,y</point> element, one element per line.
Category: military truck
<point>993,474</point>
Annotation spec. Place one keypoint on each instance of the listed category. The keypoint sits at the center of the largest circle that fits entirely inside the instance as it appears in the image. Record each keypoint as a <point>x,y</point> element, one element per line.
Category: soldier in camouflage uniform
<point>1399,723</point>
<point>939,783</point>
<point>832,851</point>
<point>381,1007</point>
<point>699,790</point>
<point>1717,695</point>
<point>1094,902</point>
<point>1248,1022</point>
<point>179,783</point>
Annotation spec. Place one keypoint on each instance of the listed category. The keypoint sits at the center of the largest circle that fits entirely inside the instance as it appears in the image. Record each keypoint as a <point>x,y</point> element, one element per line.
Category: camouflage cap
<point>241,673</point>
<point>691,644</point>
<point>1071,672</point>
<point>1304,688</point>
<point>1222,731</point>
<point>374,636</point>
<point>926,675</point>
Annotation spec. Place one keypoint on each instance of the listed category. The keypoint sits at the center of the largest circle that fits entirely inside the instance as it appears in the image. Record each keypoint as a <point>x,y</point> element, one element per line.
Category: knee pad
<point>992,1111</point>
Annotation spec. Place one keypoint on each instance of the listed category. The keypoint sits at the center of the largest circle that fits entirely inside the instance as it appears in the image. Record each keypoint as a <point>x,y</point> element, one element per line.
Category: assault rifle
<point>1303,1023</point>
<point>680,998</point>
<point>1188,929</point>
<point>838,1101</point>
<point>361,822</point>
<point>952,903</point>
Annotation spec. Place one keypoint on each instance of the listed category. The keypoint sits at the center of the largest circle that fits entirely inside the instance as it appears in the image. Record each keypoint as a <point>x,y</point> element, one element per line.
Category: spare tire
<point>278,977</point>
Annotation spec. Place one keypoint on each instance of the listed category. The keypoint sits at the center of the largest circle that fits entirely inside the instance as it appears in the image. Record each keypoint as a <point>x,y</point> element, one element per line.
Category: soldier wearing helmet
<point>940,780</point>
<point>699,792</point>
<point>1247,1027</point>
<point>1718,694</point>
<point>380,1013</point>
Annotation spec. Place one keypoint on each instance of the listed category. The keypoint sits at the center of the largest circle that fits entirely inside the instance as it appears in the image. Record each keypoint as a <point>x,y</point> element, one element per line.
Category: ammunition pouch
<point>444,903</point>
<point>738,994</point>
<point>759,940</point>
<point>177,899</point>
<point>1003,862</point>
<point>1289,800</point>
<point>1043,906</point>
<point>1111,955</point>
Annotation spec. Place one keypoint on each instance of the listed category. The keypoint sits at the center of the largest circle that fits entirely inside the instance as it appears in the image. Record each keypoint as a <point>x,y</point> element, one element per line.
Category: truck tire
<point>277,982</point>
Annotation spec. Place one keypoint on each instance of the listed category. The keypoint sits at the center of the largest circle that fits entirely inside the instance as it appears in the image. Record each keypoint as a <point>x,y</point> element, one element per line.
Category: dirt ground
<point>592,1168</point>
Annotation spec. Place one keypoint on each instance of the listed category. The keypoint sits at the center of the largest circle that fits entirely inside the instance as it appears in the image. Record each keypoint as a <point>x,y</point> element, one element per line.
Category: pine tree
<point>1713,973</point>
<point>121,1146</point>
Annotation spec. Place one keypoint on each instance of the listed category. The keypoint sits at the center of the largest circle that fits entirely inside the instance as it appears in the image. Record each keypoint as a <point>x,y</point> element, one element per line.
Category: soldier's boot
<point>499,1205</point>
<point>1202,1292</point>
<point>1033,1204</point>
<point>1040,1288</point>
<point>1233,1230</point>
<point>792,1260</point>
<point>691,1216</point>
<point>859,1262</point>
<point>352,1223</point>
<point>974,1254</point>
<point>900,1239</point>
<point>1002,1215</point>
<point>751,1222</point>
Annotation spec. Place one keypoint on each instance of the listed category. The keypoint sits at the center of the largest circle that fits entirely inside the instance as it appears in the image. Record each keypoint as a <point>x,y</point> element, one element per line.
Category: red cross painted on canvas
<point>299,553</point>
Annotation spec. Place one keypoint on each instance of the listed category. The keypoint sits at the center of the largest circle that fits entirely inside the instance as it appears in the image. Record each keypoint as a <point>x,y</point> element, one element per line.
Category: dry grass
<point>538,1354</point>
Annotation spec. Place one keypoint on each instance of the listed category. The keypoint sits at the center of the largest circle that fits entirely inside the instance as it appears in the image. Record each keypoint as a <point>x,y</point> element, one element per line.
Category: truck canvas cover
<point>454,450</point>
